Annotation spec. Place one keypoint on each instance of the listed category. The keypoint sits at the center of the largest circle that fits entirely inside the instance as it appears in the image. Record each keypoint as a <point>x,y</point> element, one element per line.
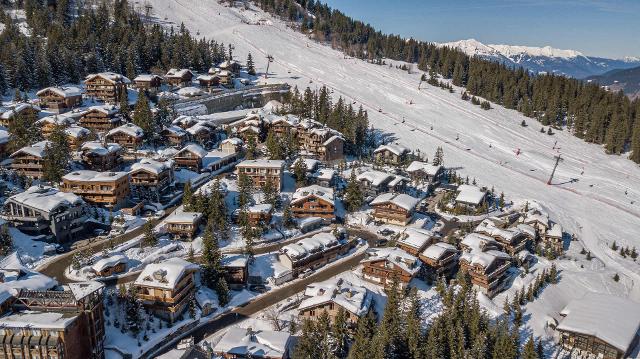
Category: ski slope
<point>593,204</point>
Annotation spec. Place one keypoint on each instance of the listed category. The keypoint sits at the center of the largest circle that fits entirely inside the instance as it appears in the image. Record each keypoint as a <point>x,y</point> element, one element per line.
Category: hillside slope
<point>544,59</point>
<point>593,204</point>
<point>627,80</point>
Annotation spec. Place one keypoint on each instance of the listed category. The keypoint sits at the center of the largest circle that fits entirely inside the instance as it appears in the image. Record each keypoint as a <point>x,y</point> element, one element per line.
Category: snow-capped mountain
<point>544,59</point>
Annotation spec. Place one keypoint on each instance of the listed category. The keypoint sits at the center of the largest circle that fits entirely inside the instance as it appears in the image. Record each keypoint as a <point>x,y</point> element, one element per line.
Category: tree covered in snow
<point>212,271</point>
<point>143,117</point>
<point>57,155</point>
<point>6,241</point>
<point>251,70</point>
<point>24,131</point>
<point>354,198</point>
<point>187,196</point>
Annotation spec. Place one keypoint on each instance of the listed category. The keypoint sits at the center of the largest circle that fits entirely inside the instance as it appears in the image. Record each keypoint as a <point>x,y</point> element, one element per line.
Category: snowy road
<point>588,196</point>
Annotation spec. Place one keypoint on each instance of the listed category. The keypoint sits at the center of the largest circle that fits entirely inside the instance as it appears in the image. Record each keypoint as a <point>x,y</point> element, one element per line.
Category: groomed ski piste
<point>594,195</point>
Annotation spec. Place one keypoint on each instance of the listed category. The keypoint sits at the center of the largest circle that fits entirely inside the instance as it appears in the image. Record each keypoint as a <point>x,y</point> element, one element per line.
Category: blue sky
<point>597,28</point>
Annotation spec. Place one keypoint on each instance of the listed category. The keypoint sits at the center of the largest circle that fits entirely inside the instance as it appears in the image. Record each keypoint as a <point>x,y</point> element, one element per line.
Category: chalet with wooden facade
<point>110,189</point>
<point>393,154</point>
<point>260,214</point>
<point>232,144</point>
<point>415,240</point>
<point>256,344</point>
<point>332,295</point>
<point>600,326</point>
<point>46,211</point>
<point>230,65</point>
<point>166,288</point>
<point>128,136</point>
<point>323,143</point>
<point>470,196</point>
<point>174,135</point>
<point>313,201</point>
<point>147,82</point>
<point>236,270</point>
<point>440,259</point>
<point>383,264</point>
<point>97,156</point>
<point>76,136</point>
<point>325,177</point>
<point>108,266</point>
<point>106,86</point>
<point>50,123</point>
<point>28,160</point>
<point>486,265</point>
<point>23,110</point>
<point>510,240</point>
<point>208,81</point>
<point>60,99</point>
<point>312,252</point>
<point>553,238</point>
<point>395,208</point>
<point>101,118</point>
<point>425,172</point>
<point>150,179</point>
<point>190,157</point>
<point>179,77</point>
<point>373,183</point>
<point>183,224</point>
<point>260,171</point>
<point>65,322</point>
<point>201,133</point>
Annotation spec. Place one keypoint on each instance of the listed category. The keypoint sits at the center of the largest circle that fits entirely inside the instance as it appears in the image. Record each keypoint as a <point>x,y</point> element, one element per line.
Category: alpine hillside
<point>627,80</point>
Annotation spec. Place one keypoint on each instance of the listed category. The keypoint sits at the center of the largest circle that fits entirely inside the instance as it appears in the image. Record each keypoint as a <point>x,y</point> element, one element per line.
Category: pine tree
<point>6,241</point>
<point>361,347</point>
<point>340,333</point>
<point>149,237</point>
<point>124,103</point>
<point>438,157</point>
<point>300,173</point>
<point>287,217</point>
<point>57,155</point>
<point>245,190</point>
<point>250,66</point>
<point>413,322</point>
<point>270,193</point>
<point>390,339</point>
<point>132,311</point>
<point>529,351</point>
<point>187,196</point>
<point>353,197</point>
<point>307,345</point>
<point>635,139</point>
<point>143,117</point>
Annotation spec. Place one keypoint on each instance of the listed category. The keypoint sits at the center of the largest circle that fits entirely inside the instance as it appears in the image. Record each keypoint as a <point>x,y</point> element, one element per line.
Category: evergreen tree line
<point>340,116</point>
<point>588,111</point>
<point>63,48</point>
<point>462,330</point>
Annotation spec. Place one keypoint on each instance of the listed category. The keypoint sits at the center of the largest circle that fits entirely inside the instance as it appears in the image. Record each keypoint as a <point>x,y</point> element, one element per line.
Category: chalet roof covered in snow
<point>46,199</point>
<point>55,120</point>
<point>260,208</point>
<point>324,174</point>
<point>376,178</point>
<point>401,200</point>
<point>207,77</point>
<point>36,149</point>
<point>437,250</point>
<point>184,217</point>
<point>216,156</point>
<point>488,227</point>
<point>484,259</point>
<point>76,131</point>
<point>425,167</point>
<point>416,237</point>
<point>309,163</point>
<point>243,343</point>
<point>110,261</point>
<point>194,149</point>
<point>353,298</point>
<point>151,166</point>
<point>94,176</point>
<point>324,193</point>
<point>234,141</point>
<point>478,242</point>
<point>234,260</point>
<point>99,148</point>
<point>178,73</point>
<point>109,76</point>
<point>128,129</point>
<point>470,194</point>
<point>394,148</point>
<point>165,275</point>
<point>175,130</point>
<point>83,289</point>
<point>537,217</point>
<point>146,78</point>
<point>309,245</point>
<point>190,91</point>
<point>185,120</point>
<point>612,319</point>
<point>63,91</point>
<point>262,163</point>
<point>38,320</point>
<point>397,256</point>
<point>16,109</point>
<point>198,128</point>
<point>555,231</point>
<point>108,110</point>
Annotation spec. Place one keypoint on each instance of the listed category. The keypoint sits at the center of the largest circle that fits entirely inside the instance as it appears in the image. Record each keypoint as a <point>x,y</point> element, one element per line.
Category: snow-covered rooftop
<point>397,256</point>
<point>129,129</point>
<point>165,274</point>
<point>82,289</point>
<point>178,73</point>
<point>353,298</point>
<point>36,149</point>
<point>184,217</point>
<point>438,249</point>
<point>470,194</point>
<point>376,178</point>
<point>110,261</point>
<point>309,245</point>
<point>194,149</point>
<point>146,77</point>
<point>109,76</point>
<point>253,343</point>
<point>152,166</point>
<point>401,200</point>
<point>45,199</point>
<point>94,176</point>
<point>64,91</point>
<point>416,238</point>
<point>484,259</point>
<point>612,319</point>
<point>324,193</point>
<point>394,148</point>
<point>38,320</point>
<point>234,260</point>
<point>262,163</point>
<point>260,208</point>
<point>178,131</point>
<point>76,131</point>
<point>99,148</point>
<point>425,167</point>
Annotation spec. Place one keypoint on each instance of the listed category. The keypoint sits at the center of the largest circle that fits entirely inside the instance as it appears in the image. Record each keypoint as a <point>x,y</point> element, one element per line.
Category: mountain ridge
<point>544,59</point>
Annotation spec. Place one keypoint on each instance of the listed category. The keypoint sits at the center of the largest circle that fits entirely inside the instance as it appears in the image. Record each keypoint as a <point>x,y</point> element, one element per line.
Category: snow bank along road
<point>588,195</point>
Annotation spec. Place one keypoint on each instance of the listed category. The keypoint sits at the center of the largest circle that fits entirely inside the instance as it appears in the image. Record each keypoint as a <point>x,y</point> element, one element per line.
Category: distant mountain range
<point>627,80</point>
<point>545,59</point>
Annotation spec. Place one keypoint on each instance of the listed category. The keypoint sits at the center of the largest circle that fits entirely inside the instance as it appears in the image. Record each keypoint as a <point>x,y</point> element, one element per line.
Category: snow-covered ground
<point>594,195</point>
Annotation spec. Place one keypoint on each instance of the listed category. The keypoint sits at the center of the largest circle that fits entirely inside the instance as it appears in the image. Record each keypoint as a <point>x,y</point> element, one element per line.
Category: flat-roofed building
<point>166,287</point>
<point>46,211</point>
<point>100,188</point>
<point>260,171</point>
